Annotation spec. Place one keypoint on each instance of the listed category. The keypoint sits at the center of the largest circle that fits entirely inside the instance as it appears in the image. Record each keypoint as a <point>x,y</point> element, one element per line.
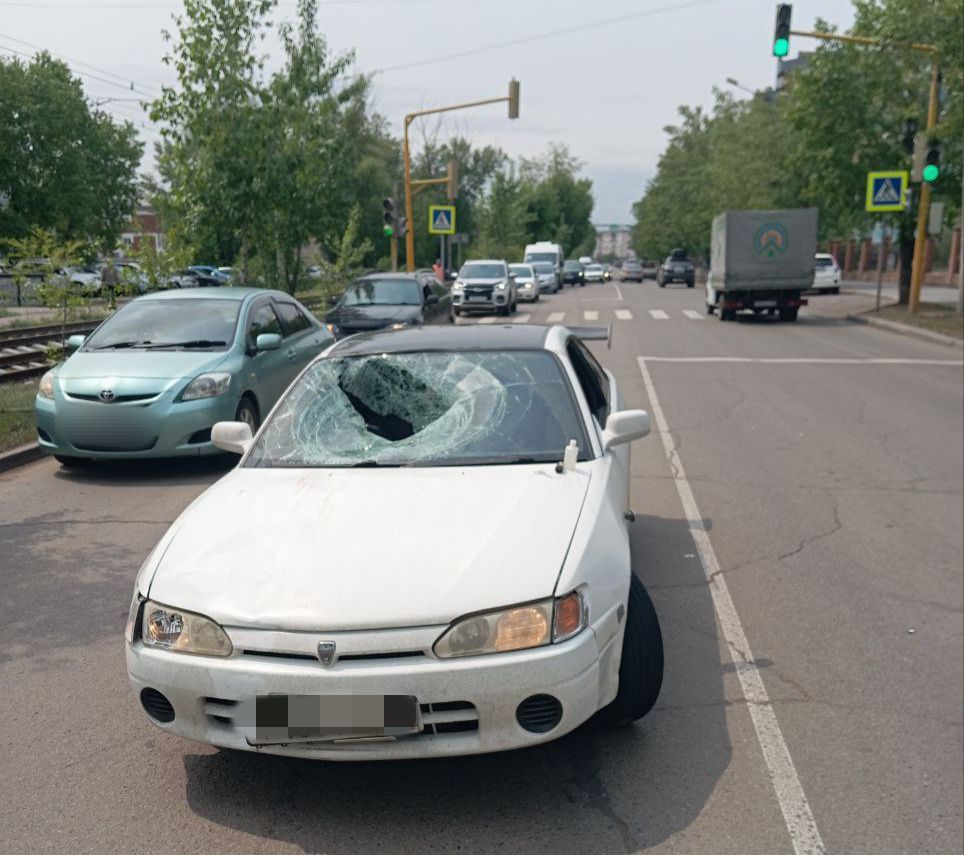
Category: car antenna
<point>569,457</point>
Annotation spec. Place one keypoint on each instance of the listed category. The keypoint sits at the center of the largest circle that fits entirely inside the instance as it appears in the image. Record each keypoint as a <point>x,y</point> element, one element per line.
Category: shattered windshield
<point>425,409</point>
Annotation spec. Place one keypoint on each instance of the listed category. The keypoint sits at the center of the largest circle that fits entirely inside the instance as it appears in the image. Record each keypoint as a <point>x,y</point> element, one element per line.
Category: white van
<point>545,251</point>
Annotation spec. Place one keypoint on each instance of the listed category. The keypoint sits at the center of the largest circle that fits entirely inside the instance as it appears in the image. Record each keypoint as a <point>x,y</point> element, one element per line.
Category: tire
<point>452,317</point>
<point>690,284</point>
<point>789,314</point>
<point>660,283</point>
<point>504,311</point>
<point>641,664</point>
<point>247,412</point>
<point>457,313</point>
<point>834,290</point>
<point>710,309</point>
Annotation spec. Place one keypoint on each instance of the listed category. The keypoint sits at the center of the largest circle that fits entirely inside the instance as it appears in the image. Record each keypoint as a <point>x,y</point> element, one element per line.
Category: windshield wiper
<point>120,344</point>
<point>200,342</point>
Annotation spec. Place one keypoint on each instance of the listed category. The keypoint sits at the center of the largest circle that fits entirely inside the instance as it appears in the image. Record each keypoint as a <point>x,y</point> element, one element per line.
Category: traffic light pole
<point>407,160</point>
<point>924,206</point>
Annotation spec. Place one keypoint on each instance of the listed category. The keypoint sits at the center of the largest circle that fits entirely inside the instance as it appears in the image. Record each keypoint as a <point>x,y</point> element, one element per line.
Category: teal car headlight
<point>207,386</point>
<point>46,387</point>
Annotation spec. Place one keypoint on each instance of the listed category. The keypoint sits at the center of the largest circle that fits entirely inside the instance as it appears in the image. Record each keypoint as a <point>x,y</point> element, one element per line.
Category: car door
<point>436,312</point>
<point>303,340</point>
<point>268,370</point>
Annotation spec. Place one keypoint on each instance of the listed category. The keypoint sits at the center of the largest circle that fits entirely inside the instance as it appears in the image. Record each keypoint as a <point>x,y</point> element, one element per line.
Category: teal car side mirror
<point>75,342</point>
<point>268,341</point>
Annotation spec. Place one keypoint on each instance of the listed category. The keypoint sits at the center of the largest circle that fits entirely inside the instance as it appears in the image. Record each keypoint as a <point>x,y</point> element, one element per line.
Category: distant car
<point>484,285</point>
<point>184,279</point>
<point>87,279</point>
<point>677,268</point>
<point>594,273</point>
<point>526,282</point>
<point>208,276</point>
<point>585,259</point>
<point>826,274</point>
<point>152,380</point>
<point>632,271</point>
<point>422,553</point>
<point>650,268</point>
<point>548,277</point>
<point>388,300</point>
<point>572,273</point>
<point>607,272</point>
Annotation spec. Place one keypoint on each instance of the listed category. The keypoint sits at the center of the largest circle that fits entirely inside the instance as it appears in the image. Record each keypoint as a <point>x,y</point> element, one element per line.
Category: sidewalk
<point>888,294</point>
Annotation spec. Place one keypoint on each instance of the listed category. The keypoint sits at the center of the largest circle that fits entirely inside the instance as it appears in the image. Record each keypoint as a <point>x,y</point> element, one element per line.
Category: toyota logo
<point>106,395</point>
<point>326,652</point>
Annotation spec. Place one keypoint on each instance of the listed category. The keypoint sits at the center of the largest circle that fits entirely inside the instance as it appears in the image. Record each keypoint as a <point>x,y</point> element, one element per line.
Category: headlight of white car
<point>46,387</point>
<point>517,628</point>
<point>182,631</point>
<point>207,386</point>
<point>500,286</point>
<point>458,285</point>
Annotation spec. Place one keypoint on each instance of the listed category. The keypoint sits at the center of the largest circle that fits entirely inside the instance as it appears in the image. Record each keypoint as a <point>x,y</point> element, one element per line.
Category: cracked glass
<point>424,409</point>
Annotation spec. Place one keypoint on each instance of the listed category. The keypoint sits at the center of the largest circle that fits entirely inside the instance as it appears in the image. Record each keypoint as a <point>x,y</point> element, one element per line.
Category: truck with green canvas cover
<point>761,261</point>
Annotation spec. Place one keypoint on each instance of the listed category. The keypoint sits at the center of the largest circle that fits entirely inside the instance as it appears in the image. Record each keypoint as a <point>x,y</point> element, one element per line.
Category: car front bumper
<point>160,427</point>
<point>527,292</point>
<point>497,300</point>
<point>485,689</point>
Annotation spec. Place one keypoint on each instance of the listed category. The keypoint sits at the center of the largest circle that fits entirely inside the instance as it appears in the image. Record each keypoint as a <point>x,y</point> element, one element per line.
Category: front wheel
<point>641,665</point>
<point>247,412</point>
<point>690,284</point>
<point>789,314</point>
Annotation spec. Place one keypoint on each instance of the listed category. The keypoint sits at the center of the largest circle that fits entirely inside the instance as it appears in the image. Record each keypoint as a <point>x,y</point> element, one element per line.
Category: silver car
<point>526,282</point>
<point>547,275</point>
<point>485,285</point>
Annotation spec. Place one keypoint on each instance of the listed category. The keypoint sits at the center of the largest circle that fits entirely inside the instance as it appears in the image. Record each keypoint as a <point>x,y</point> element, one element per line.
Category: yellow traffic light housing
<point>513,99</point>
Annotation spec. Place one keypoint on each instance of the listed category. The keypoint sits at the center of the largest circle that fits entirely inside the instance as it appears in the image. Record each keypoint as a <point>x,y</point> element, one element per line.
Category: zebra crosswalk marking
<point>659,315</point>
<point>624,314</point>
<point>488,319</point>
<point>521,319</point>
<point>591,315</point>
<point>556,318</point>
<point>692,314</point>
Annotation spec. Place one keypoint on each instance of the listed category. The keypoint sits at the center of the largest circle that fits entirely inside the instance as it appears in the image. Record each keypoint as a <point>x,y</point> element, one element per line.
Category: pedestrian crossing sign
<point>441,219</point>
<point>886,191</point>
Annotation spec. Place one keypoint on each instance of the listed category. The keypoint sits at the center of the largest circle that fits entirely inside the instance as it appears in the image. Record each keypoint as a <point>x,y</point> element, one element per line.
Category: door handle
<point>292,354</point>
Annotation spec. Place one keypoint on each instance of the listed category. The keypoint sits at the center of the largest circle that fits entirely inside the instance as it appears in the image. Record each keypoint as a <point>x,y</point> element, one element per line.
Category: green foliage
<point>505,218</point>
<point>349,255</point>
<point>64,166</point>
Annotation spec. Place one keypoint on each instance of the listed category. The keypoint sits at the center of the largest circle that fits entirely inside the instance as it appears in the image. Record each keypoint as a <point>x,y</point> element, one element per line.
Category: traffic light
<point>932,163</point>
<point>907,134</point>
<point>389,228</point>
<point>781,33</point>
<point>452,184</point>
<point>513,99</point>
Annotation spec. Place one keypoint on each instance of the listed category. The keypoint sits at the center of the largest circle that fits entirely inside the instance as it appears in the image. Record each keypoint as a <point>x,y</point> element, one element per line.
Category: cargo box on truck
<point>761,261</point>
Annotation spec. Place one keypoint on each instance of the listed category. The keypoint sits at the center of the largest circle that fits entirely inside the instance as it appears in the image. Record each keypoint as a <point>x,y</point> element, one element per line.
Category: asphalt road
<point>825,484</point>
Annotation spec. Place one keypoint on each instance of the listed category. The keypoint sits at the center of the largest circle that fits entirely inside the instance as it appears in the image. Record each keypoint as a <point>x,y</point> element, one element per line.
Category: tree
<point>559,202</point>
<point>65,166</point>
<point>504,219</point>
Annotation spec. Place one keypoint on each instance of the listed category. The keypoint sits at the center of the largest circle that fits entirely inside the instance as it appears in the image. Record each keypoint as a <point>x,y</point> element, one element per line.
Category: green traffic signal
<point>931,172</point>
<point>781,47</point>
<point>781,30</point>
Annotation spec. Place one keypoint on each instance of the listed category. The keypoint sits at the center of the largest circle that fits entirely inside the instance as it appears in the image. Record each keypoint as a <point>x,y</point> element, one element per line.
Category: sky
<point>603,77</point>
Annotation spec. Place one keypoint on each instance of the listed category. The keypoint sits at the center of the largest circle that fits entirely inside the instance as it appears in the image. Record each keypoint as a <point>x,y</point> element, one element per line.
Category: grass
<point>932,316</point>
<point>17,426</point>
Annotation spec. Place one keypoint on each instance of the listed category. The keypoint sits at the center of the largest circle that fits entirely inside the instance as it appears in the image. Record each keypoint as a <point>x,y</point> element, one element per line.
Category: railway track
<point>23,351</point>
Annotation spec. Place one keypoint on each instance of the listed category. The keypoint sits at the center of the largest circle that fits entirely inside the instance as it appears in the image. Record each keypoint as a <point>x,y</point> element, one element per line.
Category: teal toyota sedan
<point>153,379</point>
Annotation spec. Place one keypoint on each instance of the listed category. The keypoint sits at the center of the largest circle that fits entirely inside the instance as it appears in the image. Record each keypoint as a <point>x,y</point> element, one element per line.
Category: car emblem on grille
<point>106,395</point>
<point>326,652</point>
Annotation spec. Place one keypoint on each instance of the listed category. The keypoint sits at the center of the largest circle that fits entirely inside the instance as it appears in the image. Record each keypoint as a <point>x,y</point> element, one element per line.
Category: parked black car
<point>632,271</point>
<point>677,268</point>
<point>393,300</point>
<point>572,273</point>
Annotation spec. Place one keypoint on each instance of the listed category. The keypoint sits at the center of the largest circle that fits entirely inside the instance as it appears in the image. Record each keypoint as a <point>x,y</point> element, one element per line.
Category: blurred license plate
<point>765,304</point>
<point>477,298</point>
<point>274,719</point>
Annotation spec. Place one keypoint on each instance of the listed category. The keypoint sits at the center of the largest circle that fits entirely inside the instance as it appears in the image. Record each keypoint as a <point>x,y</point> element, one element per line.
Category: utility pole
<point>513,100</point>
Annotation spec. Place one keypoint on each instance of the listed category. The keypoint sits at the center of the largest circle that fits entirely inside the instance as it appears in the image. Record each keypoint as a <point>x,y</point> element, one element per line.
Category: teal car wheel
<point>247,412</point>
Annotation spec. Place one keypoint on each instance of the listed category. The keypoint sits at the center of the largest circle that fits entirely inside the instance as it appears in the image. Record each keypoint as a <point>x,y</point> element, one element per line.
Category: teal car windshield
<point>424,409</point>
<point>188,324</point>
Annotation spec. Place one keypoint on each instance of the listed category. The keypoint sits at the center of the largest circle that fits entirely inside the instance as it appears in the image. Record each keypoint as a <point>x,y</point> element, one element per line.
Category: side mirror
<point>332,300</point>
<point>74,342</point>
<point>268,341</point>
<point>232,436</point>
<point>431,299</point>
<point>625,426</point>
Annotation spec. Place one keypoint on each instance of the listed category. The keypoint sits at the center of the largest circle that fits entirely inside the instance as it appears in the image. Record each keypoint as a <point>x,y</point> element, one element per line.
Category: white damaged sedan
<point>422,552</point>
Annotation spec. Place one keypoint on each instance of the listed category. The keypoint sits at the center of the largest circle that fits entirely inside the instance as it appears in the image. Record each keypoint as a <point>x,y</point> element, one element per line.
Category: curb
<point>904,329</point>
<point>20,456</point>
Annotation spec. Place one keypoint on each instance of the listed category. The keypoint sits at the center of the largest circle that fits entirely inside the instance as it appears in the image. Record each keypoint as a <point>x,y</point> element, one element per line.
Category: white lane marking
<point>555,318</point>
<point>619,293</point>
<point>806,360</point>
<point>692,314</point>
<point>488,319</point>
<point>521,319</point>
<point>783,774</point>
<point>624,314</point>
<point>591,315</point>
<point>659,315</point>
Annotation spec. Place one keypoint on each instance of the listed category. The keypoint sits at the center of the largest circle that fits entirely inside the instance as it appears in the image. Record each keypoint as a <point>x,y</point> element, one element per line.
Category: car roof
<point>412,276</point>
<point>823,255</point>
<point>486,261</point>
<point>223,293</point>
<point>445,338</point>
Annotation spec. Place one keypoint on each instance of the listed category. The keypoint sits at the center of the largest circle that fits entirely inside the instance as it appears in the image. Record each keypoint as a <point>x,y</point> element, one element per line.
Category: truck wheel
<point>789,314</point>
<point>660,283</point>
<point>710,309</point>
<point>690,284</point>
<point>641,665</point>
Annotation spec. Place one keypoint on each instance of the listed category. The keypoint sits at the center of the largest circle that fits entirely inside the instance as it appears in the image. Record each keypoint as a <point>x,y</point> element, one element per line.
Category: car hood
<point>487,283</point>
<point>372,317</point>
<point>334,549</point>
<point>134,371</point>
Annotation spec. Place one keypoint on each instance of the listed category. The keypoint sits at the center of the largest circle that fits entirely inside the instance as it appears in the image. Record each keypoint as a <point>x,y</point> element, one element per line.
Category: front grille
<point>114,444</point>
<point>339,658</point>
<point>117,399</point>
<point>446,717</point>
<point>220,710</point>
<point>399,654</point>
<point>479,292</point>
